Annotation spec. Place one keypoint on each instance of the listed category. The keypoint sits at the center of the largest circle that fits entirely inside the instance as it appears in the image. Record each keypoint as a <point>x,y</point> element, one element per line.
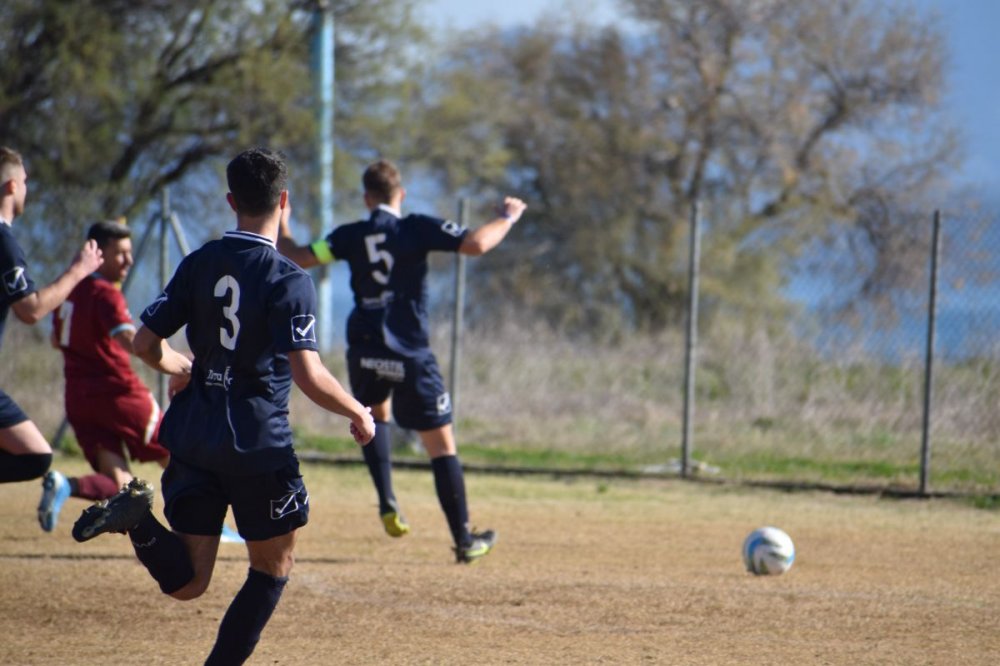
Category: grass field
<point>585,572</point>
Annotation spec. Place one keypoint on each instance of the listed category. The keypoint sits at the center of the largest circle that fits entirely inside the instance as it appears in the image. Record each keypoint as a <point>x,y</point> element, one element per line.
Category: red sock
<point>95,487</point>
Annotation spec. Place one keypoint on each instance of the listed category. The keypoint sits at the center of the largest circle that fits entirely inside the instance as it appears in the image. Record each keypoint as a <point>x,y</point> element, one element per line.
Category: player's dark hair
<point>382,180</point>
<point>256,179</point>
<point>107,230</point>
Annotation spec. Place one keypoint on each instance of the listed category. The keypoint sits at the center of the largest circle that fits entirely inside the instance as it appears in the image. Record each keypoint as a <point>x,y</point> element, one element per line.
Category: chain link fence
<point>815,396</point>
<point>904,400</point>
<point>820,395</point>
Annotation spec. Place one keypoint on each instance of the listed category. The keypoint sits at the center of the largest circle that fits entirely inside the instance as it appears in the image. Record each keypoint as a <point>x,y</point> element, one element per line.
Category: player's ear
<point>232,202</point>
<point>283,199</point>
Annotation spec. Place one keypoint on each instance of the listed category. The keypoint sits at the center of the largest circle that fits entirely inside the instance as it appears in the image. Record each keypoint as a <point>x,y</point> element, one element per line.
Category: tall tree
<point>796,124</point>
<point>111,100</point>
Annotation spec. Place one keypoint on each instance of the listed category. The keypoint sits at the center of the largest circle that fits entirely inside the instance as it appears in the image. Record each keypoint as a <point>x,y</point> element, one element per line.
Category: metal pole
<point>323,68</point>
<point>140,252</point>
<point>691,344</point>
<point>925,443</point>
<point>161,388</point>
<point>182,243</point>
<point>457,320</point>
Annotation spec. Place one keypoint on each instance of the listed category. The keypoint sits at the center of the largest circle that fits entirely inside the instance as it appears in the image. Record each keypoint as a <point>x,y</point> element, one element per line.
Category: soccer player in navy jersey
<point>251,327</point>
<point>391,366</point>
<point>24,452</point>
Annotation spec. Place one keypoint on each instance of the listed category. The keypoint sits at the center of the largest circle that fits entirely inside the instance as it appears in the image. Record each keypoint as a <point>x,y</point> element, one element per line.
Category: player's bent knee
<point>186,585</point>
<point>278,566</point>
<point>194,589</point>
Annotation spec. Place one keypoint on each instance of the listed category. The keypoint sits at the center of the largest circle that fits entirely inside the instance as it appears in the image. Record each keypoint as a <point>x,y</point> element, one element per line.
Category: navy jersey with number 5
<point>245,307</point>
<point>388,260</point>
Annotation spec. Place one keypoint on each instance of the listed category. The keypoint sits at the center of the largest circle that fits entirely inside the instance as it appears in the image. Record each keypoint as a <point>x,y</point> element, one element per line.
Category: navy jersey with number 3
<point>245,307</point>
<point>388,261</point>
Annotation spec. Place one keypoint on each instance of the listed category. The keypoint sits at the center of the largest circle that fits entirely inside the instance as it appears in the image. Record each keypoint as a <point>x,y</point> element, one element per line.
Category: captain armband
<point>321,249</point>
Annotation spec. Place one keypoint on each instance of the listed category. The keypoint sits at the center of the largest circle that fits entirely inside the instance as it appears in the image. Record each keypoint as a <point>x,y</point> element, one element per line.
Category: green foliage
<point>988,502</point>
<point>797,125</point>
<point>111,101</point>
<point>307,441</point>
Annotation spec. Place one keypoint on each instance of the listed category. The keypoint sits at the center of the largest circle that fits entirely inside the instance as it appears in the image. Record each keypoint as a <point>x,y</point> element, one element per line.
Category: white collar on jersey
<point>3,221</point>
<point>249,236</point>
<point>389,209</point>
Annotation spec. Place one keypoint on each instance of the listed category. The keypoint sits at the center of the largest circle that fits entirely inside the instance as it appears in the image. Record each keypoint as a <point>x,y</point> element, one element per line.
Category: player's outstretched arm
<point>300,254</point>
<point>33,307</point>
<point>124,339</point>
<point>312,377</point>
<point>480,241</point>
<point>158,354</point>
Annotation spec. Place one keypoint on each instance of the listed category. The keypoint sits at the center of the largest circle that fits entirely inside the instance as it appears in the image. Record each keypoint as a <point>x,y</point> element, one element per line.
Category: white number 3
<point>227,284</point>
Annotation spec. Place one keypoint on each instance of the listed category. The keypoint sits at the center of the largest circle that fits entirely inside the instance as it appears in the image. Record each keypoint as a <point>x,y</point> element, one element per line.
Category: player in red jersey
<point>113,414</point>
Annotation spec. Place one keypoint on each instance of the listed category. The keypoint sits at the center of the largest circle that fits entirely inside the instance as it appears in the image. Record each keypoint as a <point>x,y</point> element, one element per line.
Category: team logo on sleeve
<point>155,305</point>
<point>14,280</point>
<point>452,228</point>
<point>303,328</point>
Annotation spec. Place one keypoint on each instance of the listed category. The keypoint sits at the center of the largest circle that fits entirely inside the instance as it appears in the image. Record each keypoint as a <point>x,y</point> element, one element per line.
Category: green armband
<point>322,252</point>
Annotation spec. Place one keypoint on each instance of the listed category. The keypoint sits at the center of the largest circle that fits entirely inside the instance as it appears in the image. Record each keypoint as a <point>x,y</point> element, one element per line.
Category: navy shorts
<point>10,413</point>
<point>419,398</point>
<point>264,505</point>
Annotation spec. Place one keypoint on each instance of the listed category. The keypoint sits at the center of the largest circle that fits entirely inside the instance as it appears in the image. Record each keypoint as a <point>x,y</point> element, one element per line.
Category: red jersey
<point>84,326</point>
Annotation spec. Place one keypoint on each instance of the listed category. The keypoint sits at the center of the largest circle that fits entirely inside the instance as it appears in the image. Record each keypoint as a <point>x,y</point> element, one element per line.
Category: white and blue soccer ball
<point>768,551</point>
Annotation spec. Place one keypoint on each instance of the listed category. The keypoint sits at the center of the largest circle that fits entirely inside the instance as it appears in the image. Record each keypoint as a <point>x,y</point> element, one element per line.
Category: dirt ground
<point>585,572</point>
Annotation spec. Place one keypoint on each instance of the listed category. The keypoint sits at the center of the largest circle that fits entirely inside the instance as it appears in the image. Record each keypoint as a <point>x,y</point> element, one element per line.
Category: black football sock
<point>450,485</point>
<point>23,467</point>
<point>378,457</point>
<point>245,619</point>
<point>162,553</point>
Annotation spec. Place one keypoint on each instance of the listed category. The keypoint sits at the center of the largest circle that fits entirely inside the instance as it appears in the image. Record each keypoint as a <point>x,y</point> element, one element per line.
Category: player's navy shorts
<point>108,422</point>
<point>10,413</point>
<point>419,398</point>
<point>264,505</point>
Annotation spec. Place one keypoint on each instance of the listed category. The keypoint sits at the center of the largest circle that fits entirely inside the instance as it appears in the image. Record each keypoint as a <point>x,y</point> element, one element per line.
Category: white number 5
<point>227,284</point>
<point>376,254</point>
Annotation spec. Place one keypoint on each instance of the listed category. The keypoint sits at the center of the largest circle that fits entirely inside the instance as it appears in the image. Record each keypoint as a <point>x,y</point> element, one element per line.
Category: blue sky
<point>974,82</point>
<point>973,97</point>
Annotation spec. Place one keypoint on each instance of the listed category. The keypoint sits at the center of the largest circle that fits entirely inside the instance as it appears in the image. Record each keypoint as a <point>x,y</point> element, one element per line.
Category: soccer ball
<point>768,551</point>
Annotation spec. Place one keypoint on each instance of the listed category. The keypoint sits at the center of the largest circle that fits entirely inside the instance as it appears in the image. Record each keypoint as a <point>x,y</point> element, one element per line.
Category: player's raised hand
<point>363,428</point>
<point>513,208</point>
<point>89,258</point>
<point>286,213</point>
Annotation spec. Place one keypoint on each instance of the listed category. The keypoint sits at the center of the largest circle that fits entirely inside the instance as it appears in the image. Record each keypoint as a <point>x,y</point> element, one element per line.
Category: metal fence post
<point>457,321</point>
<point>324,73</point>
<point>691,344</point>
<point>925,444</point>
